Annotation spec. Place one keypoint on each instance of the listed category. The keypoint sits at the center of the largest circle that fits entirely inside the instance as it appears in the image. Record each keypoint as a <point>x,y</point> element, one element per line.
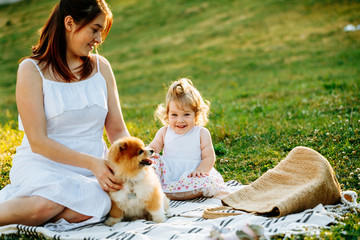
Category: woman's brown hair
<point>51,47</point>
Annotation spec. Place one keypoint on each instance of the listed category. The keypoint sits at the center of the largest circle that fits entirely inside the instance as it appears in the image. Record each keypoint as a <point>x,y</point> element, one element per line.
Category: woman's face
<point>81,41</point>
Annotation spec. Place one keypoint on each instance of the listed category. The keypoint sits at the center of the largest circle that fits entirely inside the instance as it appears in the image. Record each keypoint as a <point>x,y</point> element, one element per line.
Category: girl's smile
<point>181,118</point>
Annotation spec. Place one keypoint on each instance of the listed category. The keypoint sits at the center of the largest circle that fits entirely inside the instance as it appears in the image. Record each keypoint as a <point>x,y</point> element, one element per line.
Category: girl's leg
<point>184,195</point>
<point>32,211</point>
<point>158,165</point>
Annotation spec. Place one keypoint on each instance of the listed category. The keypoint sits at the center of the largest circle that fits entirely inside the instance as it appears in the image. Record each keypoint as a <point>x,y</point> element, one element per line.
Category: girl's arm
<point>114,124</point>
<point>207,155</point>
<point>158,143</point>
<point>29,98</point>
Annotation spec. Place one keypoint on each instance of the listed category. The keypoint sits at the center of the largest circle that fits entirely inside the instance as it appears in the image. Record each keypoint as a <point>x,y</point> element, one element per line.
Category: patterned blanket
<point>186,222</point>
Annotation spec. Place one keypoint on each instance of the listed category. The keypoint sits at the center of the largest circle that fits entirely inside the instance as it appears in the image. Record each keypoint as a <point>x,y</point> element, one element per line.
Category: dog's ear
<point>123,146</point>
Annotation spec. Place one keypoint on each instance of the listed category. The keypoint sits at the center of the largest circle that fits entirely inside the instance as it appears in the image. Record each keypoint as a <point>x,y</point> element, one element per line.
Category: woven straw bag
<point>301,181</point>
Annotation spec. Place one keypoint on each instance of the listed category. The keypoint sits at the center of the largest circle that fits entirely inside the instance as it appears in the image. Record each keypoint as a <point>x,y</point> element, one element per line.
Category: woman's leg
<point>70,216</point>
<point>36,210</point>
<point>32,211</point>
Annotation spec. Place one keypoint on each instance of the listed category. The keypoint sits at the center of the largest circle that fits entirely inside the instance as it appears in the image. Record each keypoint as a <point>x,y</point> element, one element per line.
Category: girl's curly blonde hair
<point>184,93</point>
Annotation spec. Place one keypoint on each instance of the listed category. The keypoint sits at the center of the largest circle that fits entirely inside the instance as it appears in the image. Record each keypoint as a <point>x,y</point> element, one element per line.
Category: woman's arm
<point>29,98</point>
<point>158,142</point>
<point>207,155</point>
<point>114,124</point>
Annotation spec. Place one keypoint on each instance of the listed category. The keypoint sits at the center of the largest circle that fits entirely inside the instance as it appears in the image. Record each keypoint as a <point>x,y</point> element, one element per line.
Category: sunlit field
<point>278,74</point>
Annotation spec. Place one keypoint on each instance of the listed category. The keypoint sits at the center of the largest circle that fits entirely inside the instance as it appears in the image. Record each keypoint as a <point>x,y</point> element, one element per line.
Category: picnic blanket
<point>186,222</point>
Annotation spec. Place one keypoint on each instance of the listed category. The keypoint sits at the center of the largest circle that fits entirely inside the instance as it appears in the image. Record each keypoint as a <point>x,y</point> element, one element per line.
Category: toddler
<point>186,169</point>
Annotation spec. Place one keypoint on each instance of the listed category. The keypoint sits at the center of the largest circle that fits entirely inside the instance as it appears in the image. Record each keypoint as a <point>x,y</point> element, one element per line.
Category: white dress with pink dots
<point>181,156</point>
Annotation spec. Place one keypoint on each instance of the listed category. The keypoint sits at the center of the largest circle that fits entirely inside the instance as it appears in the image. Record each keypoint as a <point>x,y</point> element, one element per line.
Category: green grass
<point>278,74</point>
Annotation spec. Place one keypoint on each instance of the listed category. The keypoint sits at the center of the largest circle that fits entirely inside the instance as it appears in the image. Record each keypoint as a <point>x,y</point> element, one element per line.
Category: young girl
<point>186,168</point>
<point>65,96</point>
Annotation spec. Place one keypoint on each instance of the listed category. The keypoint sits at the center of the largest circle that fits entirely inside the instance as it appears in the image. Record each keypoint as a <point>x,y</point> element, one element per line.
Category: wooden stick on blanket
<point>222,211</point>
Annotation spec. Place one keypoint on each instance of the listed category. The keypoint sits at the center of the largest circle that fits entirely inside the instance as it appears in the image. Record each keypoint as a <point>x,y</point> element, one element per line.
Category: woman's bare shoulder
<point>104,63</point>
<point>28,71</point>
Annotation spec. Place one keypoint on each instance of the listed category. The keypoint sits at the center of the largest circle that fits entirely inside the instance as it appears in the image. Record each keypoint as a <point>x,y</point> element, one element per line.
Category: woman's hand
<point>104,174</point>
<point>198,173</point>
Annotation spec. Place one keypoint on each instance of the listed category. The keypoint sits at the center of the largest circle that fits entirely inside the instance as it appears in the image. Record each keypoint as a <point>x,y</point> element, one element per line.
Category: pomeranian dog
<point>141,195</point>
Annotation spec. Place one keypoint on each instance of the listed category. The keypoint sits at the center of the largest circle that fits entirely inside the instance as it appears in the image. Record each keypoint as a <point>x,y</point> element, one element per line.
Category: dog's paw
<point>158,217</point>
<point>111,221</point>
<point>167,206</point>
<point>167,212</point>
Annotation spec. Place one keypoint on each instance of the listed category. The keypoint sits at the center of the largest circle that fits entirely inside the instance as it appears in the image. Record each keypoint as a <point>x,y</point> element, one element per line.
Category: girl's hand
<point>198,173</point>
<point>103,173</point>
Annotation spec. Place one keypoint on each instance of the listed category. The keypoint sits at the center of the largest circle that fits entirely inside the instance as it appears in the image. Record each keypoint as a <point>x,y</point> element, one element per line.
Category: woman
<point>65,97</point>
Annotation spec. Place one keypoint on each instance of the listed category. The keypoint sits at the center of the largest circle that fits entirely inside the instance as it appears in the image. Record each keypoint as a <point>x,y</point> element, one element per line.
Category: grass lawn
<point>278,74</point>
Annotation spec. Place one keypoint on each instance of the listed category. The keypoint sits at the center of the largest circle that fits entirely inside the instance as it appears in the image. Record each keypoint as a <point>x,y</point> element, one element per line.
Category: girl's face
<point>81,42</point>
<point>181,118</point>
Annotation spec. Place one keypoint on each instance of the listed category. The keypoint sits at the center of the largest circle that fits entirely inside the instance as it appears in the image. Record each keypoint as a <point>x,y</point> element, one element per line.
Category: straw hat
<point>301,181</point>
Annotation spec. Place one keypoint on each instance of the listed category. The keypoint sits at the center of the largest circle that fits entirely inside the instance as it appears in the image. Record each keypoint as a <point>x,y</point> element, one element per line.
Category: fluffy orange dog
<point>141,195</point>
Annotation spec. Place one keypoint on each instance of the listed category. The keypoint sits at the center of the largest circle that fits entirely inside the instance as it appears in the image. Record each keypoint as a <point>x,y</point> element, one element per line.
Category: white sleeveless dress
<point>181,156</point>
<point>75,114</point>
